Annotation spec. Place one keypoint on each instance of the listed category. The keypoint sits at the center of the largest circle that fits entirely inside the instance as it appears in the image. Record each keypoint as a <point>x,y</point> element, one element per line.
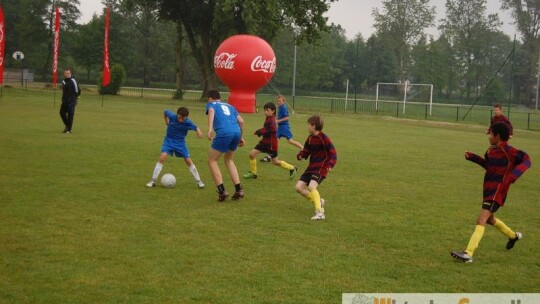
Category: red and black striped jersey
<point>321,152</point>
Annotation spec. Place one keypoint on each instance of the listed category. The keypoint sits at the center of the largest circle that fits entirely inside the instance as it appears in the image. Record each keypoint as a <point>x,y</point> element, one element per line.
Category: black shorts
<point>490,206</point>
<point>266,149</point>
<point>307,177</point>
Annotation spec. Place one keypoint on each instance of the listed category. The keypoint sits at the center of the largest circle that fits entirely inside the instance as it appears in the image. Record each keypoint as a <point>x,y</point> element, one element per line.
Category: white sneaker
<point>201,184</point>
<point>151,184</point>
<point>318,216</point>
<point>322,205</point>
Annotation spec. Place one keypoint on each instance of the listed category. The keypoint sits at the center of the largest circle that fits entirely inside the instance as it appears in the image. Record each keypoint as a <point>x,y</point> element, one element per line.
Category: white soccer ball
<point>168,180</point>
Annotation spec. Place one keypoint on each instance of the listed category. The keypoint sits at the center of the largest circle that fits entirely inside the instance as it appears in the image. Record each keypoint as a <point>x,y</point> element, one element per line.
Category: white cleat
<point>200,184</point>
<point>151,184</point>
<point>318,216</point>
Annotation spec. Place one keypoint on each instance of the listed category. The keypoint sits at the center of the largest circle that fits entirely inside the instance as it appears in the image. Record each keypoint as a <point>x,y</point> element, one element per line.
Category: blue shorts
<point>226,142</point>
<point>284,131</point>
<point>178,148</point>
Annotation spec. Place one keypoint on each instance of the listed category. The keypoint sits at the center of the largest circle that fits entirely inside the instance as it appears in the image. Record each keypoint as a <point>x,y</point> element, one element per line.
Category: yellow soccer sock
<point>316,199</point>
<point>253,166</point>
<point>475,239</point>
<point>504,229</point>
<point>285,165</point>
<point>309,197</point>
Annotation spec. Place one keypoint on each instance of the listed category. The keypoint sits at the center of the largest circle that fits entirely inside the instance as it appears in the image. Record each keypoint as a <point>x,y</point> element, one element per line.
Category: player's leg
<point>312,186</point>
<point>63,115</point>
<point>233,172</point>
<point>157,169</point>
<point>295,143</point>
<point>283,164</point>
<point>70,116</point>
<point>193,169</point>
<point>252,163</point>
<point>513,237</point>
<point>213,157</point>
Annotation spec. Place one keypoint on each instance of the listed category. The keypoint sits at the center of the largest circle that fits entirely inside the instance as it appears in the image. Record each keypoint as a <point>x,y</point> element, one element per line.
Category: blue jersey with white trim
<point>225,117</point>
<point>178,130</point>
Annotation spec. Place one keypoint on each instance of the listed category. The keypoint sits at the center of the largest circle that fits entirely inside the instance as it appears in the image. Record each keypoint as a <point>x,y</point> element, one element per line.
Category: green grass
<point>78,225</point>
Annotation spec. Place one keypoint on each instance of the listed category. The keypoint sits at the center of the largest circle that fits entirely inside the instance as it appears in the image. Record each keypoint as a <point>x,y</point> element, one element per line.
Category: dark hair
<point>183,111</point>
<point>498,106</point>
<point>214,94</point>
<point>271,106</point>
<point>317,121</point>
<point>501,129</point>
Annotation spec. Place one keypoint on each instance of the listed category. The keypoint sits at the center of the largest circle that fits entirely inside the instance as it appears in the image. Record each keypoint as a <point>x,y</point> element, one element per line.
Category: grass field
<point>78,225</point>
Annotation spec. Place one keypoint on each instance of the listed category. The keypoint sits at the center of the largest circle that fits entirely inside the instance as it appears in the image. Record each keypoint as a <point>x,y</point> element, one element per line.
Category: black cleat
<point>238,195</point>
<point>512,242</point>
<point>222,196</point>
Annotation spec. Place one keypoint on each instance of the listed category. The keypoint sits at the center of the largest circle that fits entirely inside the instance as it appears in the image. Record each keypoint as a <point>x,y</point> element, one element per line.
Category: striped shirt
<point>321,152</point>
<point>504,164</point>
<point>268,133</point>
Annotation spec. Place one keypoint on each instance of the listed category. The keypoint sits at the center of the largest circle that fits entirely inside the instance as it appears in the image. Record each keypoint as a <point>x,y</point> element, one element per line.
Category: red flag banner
<point>106,68</point>
<point>2,43</point>
<point>56,45</point>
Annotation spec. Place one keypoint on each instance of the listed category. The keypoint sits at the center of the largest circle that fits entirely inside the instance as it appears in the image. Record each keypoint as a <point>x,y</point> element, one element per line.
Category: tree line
<point>171,43</point>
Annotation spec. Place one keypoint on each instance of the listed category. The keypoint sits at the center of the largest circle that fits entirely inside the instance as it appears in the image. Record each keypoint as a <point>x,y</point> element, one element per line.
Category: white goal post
<point>406,87</point>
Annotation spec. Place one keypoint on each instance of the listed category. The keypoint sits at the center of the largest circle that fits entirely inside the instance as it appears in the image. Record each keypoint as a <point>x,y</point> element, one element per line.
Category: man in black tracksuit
<point>70,93</point>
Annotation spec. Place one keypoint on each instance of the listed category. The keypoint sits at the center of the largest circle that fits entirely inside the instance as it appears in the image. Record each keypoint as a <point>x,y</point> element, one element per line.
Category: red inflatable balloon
<point>244,63</point>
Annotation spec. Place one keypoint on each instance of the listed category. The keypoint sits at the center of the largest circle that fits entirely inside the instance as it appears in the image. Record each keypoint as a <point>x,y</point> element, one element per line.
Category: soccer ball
<point>168,180</point>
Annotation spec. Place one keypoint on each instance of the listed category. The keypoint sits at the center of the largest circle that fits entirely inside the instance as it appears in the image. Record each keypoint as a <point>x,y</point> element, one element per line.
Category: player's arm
<point>332,154</point>
<point>211,115</point>
<point>165,117</point>
<point>199,132</point>
<point>475,159</point>
<point>304,153</point>
<point>522,163</point>
<point>241,124</point>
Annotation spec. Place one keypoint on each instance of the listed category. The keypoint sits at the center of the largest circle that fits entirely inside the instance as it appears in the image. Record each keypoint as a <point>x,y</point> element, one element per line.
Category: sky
<point>355,16</point>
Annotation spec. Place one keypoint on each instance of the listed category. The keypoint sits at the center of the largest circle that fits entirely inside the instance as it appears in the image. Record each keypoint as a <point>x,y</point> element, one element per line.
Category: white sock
<point>157,170</point>
<point>195,173</point>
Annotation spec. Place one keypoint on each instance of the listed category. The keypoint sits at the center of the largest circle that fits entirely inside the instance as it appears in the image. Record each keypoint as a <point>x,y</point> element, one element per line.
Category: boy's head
<point>182,113</point>
<point>67,73</point>
<point>497,109</point>
<point>214,95</point>
<point>316,121</point>
<point>498,132</point>
<point>280,100</point>
<point>269,109</point>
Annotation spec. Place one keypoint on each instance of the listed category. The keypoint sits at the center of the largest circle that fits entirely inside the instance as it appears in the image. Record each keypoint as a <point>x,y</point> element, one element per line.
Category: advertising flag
<point>106,68</point>
<point>56,45</point>
<point>2,43</point>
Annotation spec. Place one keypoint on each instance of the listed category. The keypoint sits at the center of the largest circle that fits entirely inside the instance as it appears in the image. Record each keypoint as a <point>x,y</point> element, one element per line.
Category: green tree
<point>404,21</point>
<point>526,13</point>
<point>467,29</point>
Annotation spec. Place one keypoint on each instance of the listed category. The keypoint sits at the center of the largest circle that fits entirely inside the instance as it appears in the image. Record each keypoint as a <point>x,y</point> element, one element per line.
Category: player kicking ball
<point>174,143</point>
<point>268,144</point>
<point>504,164</point>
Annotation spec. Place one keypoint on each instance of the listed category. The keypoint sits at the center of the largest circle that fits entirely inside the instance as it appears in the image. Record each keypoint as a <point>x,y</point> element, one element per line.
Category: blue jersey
<point>177,131</point>
<point>283,112</point>
<point>225,118</point>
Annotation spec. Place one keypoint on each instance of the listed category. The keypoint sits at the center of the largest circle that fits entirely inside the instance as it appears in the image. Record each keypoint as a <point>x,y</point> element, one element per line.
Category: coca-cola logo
<point>260,65</point>
<point>224,61</point>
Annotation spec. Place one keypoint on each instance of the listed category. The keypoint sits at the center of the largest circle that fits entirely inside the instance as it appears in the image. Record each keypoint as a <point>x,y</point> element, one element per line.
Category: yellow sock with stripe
<point>285,165</point>
<point>475,239</point>
<point>253,165</point>
<point>504,229</point>
<point>316,199</point>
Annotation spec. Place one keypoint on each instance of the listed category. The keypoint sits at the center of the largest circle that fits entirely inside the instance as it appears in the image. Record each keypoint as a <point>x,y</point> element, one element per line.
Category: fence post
<point>142,92</point>
<point>528,121</point>
<point>457,113</point>
<point>397,109</point>
<point>425,112</point>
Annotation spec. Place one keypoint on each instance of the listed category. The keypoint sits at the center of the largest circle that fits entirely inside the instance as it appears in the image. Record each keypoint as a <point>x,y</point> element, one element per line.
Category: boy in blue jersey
<point>284,129</point>
<point>228,126</point>
<point>174,143</point>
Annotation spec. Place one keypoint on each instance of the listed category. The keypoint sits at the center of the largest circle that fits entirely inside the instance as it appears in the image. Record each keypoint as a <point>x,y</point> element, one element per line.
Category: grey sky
<point>353,15</point>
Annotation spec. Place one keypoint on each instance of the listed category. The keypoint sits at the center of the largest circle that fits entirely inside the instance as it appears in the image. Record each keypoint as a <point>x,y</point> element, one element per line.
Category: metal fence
<point>521,117</point>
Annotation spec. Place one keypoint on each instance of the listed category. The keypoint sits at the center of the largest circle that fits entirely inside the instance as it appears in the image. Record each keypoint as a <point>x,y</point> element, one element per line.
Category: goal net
<point>412,93</point>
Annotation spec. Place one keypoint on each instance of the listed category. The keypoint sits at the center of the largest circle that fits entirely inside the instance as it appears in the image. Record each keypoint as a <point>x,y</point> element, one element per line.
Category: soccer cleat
<point>292,172</point>
<point>222,196</point>
<point>68,132</point>
<point>512,242</point>
<point>462,256</point>
<point>250,176</point>
<point>266,159</point>
<point>200,184</point>
<point>238,195</point>
<point>318,216</point>
<point>322,205</point>
<point>151,184</point>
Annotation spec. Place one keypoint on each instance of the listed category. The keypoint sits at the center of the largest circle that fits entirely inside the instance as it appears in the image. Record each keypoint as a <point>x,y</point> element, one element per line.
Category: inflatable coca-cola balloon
<point>244,63</point>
